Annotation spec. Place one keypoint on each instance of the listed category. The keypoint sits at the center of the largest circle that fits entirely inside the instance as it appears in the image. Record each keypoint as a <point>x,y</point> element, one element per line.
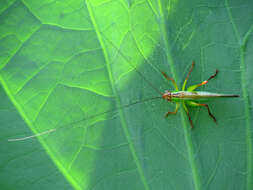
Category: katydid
<point>190,97</point>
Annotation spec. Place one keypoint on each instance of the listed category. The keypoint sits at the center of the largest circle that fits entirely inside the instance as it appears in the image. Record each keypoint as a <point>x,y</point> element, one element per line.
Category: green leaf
<point>63,63</point>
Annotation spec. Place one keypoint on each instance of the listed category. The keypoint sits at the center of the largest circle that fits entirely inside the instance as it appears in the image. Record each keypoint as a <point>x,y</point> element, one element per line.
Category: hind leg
<point>193,87</point>
<point>195,104</point>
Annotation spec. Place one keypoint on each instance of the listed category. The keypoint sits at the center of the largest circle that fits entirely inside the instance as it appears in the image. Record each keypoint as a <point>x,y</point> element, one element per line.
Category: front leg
<point>174,112</point>
<point>187,77</point>
<point>170,79</point>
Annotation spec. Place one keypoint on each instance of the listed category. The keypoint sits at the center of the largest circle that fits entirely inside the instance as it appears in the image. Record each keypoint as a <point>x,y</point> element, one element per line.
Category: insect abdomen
<point>195,95</point>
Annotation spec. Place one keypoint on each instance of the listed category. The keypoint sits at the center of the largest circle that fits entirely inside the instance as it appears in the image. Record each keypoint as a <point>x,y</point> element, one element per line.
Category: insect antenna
<point>125,57</point>
<point>108,111</point>
<point>78,121</point>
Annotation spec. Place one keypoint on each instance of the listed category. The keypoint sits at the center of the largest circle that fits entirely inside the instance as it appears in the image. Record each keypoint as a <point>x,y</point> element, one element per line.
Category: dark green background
<point>62,63</point>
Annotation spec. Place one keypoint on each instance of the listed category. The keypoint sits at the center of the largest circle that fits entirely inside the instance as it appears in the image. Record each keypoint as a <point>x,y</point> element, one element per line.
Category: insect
<point>190,97</point>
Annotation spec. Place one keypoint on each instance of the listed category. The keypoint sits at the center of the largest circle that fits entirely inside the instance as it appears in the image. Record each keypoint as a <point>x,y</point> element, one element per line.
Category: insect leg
<point>195,104</point>
<point>187,77</point>
<point>193,87</point>
<point>170,79</point>
<point>174,112</point>
<point>187,112</point>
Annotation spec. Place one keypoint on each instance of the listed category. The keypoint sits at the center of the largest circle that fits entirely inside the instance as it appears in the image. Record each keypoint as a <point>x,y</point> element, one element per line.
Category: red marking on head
<point>167,95</point>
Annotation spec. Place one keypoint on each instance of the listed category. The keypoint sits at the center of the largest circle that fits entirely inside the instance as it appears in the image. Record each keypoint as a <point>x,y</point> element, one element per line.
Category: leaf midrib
<point>188,140</point>
<point>118,102</point>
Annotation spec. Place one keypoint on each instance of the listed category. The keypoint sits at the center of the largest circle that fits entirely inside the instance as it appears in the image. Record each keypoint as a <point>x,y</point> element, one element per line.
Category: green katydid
<point>191,97</point>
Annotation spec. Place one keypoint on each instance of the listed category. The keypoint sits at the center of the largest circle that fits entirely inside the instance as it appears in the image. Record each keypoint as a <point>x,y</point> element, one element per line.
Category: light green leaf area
<point>85,73</point>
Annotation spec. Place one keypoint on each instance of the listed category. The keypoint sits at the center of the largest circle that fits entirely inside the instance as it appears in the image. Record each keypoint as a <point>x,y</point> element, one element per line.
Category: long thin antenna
<point>93,116</point>
<point>147,81</point>
<point>32,136</point>
<point>124,106</point>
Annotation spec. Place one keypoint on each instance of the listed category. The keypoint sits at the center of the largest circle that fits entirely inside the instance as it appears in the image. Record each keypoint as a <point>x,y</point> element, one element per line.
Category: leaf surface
<point>64,63</point>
